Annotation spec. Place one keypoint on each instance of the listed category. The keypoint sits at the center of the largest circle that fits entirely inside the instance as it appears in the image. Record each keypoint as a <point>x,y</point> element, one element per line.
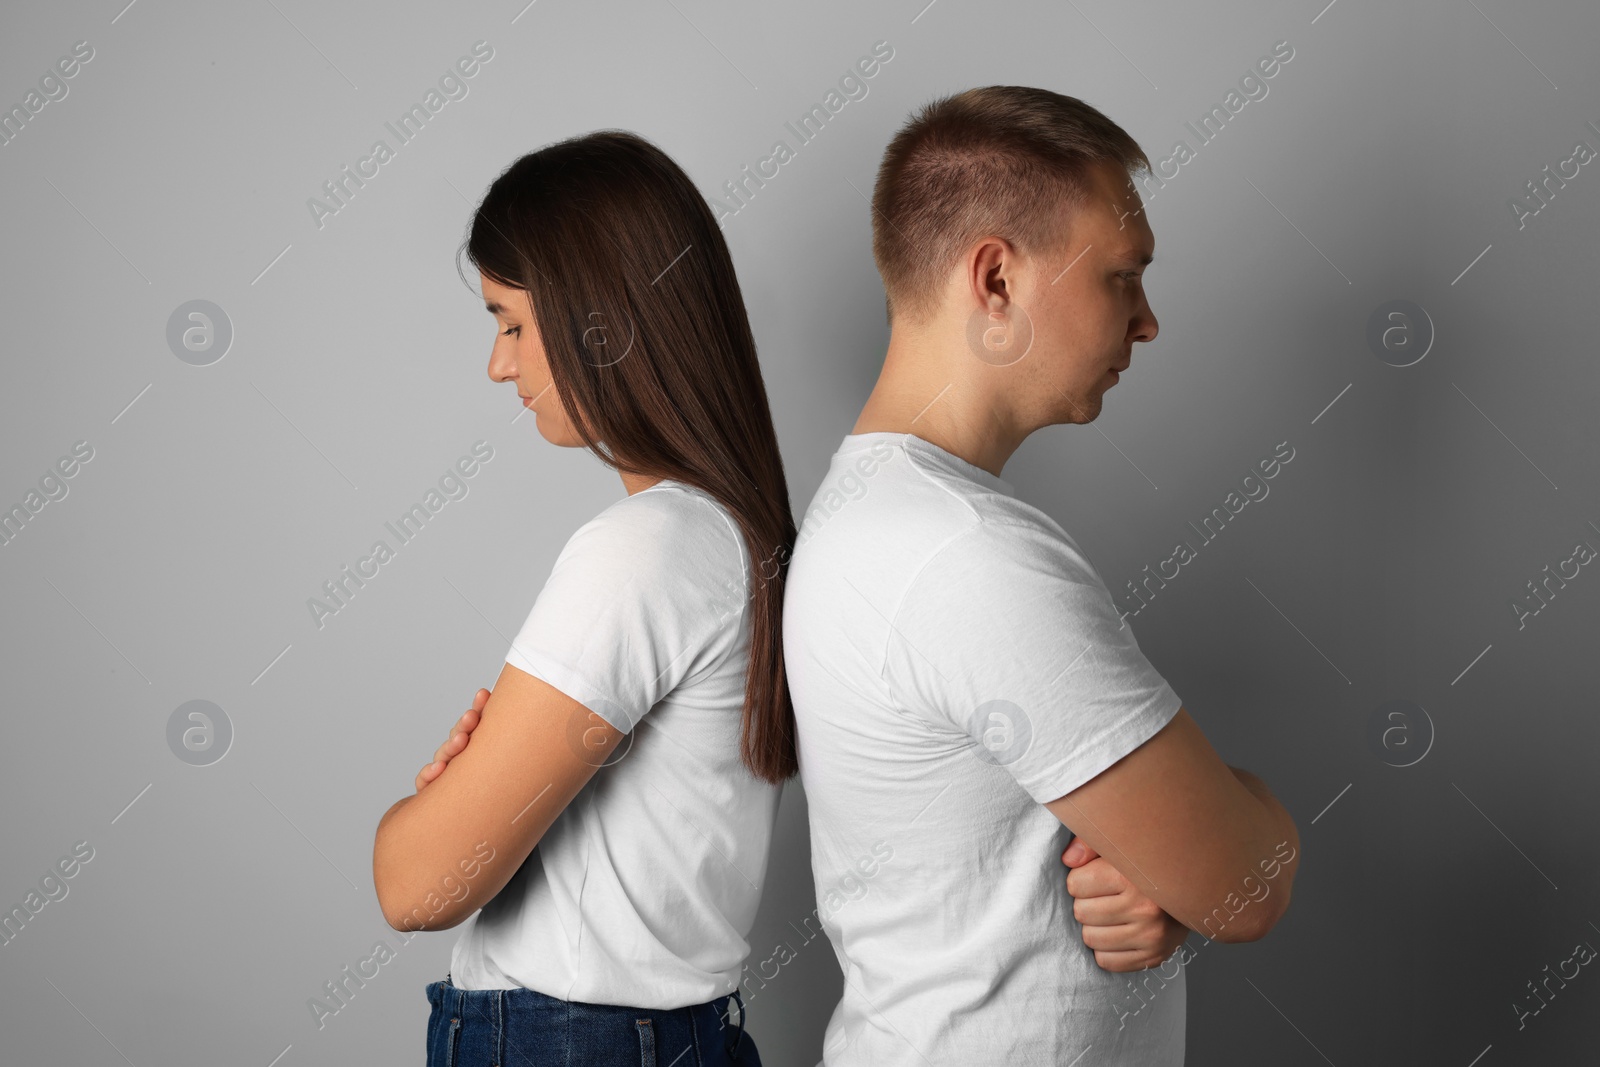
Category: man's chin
<point>1084,409</point>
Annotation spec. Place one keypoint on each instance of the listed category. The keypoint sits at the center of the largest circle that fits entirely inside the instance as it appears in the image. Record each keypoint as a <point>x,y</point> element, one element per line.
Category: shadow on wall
<point>791,981</point>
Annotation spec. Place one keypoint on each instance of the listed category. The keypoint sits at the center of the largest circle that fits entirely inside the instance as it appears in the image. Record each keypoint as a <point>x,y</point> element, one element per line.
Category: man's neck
<point>933,392</point>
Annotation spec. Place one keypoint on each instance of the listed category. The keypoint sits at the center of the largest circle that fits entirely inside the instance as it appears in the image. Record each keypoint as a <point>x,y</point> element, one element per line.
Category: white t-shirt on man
<point>955,663</point>
<point>644,890</point>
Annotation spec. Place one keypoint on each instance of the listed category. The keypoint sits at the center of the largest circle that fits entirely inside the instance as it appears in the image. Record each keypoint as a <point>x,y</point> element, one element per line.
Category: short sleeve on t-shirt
<point>1008,641</point>
<point>642,597</point>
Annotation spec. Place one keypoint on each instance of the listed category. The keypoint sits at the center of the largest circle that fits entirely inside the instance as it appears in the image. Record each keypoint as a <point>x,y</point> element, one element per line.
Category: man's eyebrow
<point>1135,258</point>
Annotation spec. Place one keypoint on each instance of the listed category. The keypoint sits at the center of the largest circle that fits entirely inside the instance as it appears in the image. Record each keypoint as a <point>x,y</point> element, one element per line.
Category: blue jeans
<point>522,1028</point>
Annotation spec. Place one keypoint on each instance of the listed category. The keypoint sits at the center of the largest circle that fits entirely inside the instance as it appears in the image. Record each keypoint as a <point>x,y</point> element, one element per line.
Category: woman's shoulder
<point>669,524</point>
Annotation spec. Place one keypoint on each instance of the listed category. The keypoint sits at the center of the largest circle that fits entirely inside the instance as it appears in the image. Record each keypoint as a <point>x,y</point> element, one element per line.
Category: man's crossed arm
<point>1166,840</point>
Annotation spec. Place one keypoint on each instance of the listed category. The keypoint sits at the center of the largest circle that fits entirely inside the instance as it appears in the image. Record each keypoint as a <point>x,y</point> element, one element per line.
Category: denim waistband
<point>504,1018</point>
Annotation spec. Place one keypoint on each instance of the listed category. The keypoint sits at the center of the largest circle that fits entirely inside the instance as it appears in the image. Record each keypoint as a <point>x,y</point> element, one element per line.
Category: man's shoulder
<point>1004,573</point>
<point>899,503</point>
<point>1003,540</point>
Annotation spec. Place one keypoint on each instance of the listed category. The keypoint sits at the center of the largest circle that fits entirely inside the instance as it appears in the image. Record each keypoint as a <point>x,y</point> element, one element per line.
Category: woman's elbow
<point>411,921</point>
<point>398,896</point>
<point>406,910</point>
<point>406,915</point>
<point>399,910</point>
<point>387,876</point>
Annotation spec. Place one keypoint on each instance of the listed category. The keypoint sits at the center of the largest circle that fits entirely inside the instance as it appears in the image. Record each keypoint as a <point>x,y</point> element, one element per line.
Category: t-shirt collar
<point>923,447</point>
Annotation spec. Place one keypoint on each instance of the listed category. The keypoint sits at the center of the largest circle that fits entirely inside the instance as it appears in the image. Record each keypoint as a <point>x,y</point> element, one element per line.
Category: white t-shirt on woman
<point>643,891</point>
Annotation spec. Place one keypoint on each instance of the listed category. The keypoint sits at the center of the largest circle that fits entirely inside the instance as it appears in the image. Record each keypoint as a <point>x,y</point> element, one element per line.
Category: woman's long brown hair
<point>650,350</point>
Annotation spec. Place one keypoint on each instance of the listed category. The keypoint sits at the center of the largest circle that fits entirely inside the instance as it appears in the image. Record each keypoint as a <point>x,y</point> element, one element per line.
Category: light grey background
<point>1383,565</point>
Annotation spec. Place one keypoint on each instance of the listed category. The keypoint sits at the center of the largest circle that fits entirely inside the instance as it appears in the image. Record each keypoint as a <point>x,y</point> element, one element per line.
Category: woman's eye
<point>515,330</point>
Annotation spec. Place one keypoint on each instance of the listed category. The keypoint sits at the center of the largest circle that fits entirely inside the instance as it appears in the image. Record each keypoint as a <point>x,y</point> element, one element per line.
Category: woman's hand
<point>1126,929</point>
<point>460,734</point>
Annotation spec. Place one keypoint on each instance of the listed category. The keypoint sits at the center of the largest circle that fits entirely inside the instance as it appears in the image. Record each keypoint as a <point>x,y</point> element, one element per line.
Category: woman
<point>641,730</point>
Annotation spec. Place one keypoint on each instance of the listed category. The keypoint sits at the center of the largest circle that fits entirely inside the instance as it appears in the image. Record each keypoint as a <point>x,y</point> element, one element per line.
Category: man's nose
<point>1148,327</point>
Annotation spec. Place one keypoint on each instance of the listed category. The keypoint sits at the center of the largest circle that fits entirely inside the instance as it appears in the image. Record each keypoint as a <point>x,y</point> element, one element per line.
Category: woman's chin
<point>561,437</point>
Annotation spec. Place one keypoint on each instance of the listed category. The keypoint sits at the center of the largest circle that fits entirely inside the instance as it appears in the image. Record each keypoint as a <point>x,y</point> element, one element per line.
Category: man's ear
<point>990,266</point>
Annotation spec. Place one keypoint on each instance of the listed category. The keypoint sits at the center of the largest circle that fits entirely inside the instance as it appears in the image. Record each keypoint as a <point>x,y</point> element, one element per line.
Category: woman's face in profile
<point>518,357</point>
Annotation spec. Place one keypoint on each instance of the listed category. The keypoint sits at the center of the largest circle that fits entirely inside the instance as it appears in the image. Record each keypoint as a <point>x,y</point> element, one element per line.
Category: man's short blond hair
<point>1002,160</point>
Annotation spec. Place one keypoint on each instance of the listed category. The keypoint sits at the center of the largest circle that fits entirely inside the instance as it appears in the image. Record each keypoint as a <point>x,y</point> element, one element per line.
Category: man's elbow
<point>1252,925</point>
<point>1251,922</point>
<point>1254,906</point>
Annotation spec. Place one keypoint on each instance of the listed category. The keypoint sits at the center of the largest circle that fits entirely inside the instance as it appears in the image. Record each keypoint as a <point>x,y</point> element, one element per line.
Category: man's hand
<point>1126,929</point>
<point>460,734</point>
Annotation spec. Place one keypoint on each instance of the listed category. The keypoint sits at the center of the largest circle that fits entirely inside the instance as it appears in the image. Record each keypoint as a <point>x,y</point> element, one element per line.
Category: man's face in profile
<point>1089,304</point>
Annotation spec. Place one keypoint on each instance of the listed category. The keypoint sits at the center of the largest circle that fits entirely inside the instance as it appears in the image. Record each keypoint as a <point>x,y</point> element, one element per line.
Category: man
<point>964,688</point>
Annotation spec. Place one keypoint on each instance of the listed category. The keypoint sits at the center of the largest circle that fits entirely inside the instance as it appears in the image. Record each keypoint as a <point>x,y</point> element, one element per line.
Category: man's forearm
<point>1257,787</point>
<point>1282,832</point>
<point>1279,815</point>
